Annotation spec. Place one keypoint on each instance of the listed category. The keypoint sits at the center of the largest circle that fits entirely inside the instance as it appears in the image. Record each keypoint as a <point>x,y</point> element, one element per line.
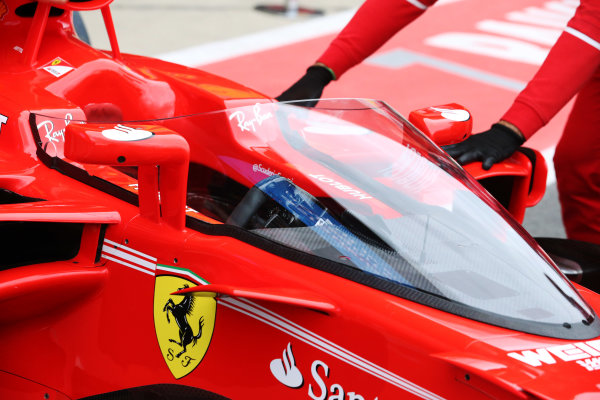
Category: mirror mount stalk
<point>161,155</point>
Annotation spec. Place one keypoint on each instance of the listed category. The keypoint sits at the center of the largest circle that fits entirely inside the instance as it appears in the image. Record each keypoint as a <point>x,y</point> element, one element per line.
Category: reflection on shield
<point>184,324</point>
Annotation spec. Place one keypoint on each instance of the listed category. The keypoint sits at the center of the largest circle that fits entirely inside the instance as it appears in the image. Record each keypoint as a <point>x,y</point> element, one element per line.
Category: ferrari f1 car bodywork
<point>169,234</point>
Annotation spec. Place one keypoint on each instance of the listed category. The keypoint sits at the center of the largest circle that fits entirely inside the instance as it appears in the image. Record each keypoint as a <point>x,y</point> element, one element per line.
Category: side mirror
<point>517,183</point>
<point>445,124</point>
<point>152,149</point>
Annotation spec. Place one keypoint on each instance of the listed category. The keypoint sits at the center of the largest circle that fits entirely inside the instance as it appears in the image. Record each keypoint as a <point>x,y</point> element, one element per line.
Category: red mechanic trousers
<point>577,164</point>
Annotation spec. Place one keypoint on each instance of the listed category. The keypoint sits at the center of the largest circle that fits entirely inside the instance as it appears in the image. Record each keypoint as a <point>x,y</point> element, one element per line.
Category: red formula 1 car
<point>169,234</point>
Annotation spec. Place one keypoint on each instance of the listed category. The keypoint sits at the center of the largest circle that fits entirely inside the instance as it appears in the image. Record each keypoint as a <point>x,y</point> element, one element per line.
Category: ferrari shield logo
<point>184,324</point>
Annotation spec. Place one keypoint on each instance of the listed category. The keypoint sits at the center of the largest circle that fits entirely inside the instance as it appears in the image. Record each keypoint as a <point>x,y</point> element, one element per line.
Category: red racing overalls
<point>571,68</point>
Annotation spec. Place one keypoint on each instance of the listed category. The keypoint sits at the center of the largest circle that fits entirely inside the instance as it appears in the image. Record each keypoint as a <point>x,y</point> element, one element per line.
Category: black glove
<point>490,147</point>
<point>310,86</point>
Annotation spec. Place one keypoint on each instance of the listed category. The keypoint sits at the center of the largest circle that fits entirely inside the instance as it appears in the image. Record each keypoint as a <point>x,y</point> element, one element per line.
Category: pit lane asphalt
<point>152,27</point>
<point>157,27</point>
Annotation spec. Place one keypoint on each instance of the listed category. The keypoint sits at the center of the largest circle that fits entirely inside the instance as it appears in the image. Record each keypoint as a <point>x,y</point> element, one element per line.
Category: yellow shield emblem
<point>184,324</point>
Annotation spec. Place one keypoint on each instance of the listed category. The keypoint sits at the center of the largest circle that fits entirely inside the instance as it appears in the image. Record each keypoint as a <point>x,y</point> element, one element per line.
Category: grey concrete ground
<point>544,219</point>
<point>153,27</point>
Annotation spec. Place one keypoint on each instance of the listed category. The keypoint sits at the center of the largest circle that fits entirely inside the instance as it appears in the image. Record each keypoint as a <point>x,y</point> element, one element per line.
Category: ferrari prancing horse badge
<point>184,324</point>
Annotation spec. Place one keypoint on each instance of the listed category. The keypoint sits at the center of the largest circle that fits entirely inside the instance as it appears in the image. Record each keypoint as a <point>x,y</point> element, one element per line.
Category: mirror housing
<point>152,149</point>
<point>517,182</point>
<point>445,124</point>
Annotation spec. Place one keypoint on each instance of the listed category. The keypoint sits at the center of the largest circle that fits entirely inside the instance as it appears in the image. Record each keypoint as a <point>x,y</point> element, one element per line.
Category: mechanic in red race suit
<point>572,67</point>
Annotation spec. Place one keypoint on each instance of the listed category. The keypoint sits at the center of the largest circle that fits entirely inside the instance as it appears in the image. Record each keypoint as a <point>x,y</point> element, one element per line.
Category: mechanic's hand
<point>310,86</point>
<point>490,147</point>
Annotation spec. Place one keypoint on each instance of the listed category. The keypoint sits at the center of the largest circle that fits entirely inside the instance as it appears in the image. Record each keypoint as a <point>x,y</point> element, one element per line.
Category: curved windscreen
<point>354,186</point>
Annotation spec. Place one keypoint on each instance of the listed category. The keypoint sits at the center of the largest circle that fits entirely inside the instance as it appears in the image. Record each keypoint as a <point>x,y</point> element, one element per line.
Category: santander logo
<point>285,370</point>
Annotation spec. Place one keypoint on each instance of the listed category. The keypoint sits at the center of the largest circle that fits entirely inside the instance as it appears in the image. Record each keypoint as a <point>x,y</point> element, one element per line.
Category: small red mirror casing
<point>445,124</point>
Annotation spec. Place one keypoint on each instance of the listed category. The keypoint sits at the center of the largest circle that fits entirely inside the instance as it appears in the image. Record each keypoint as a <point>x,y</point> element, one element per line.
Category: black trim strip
<point>527,152</point>
<point>100,243</point>
<point>79,174</point>
<point>161,391</point>
<point>581,331</point>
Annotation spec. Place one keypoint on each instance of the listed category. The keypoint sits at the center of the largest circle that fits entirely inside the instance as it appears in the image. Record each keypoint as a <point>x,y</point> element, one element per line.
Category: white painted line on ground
<point>230,48</point>
<point>265,40</point>
<point>260,41</point>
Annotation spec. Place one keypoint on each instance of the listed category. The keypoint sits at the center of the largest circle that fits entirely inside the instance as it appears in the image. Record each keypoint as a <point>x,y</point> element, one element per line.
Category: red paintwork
<point>529,183</point>
<point>431,122</point>
<point>89,144</point>
<point>83,327</point>
<point>307,299</point>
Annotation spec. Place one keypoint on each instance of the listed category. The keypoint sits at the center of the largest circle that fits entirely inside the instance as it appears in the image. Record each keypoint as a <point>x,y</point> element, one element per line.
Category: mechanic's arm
<point>375,22</point>
<point>572,61</point>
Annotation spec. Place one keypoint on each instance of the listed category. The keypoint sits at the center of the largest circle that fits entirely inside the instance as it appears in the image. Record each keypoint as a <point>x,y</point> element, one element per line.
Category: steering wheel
<point>247,207</point>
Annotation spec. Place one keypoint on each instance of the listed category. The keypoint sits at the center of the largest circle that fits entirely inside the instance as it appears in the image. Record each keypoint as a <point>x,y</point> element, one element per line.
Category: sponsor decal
<point>591,364</point>
<point>286,372</point>
<point>320,343</point>
<point>184,323</point>
<point>58,67</point>
<point>453,114</point>
<point>264,170</point>
<point>3,120</point>
<point>250,124</point>
<point>53,136</point>
<point>585,354</point>
<point>344,188</point>
<point>3,10</point>
<point>253,172</point>
<point>122,133</point>
<point>141,262</point>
